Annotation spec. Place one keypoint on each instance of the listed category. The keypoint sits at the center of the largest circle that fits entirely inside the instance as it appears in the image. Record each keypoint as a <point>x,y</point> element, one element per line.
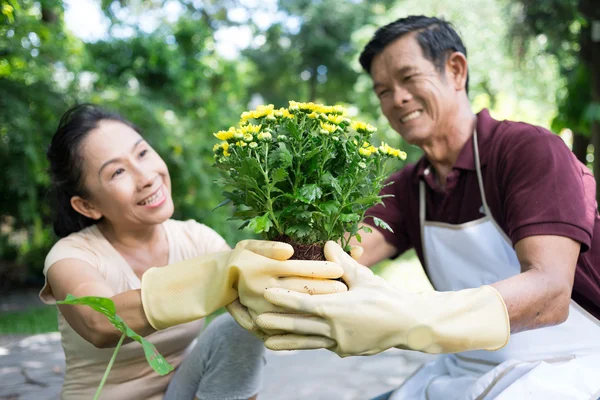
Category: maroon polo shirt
<point>533,184</point>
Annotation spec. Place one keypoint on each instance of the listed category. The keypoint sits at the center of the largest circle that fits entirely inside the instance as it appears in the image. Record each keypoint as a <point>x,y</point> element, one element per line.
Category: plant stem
<point>112,360</point>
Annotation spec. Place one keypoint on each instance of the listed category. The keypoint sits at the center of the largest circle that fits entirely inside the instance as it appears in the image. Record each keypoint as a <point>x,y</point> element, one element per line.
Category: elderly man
<point>504,220</point>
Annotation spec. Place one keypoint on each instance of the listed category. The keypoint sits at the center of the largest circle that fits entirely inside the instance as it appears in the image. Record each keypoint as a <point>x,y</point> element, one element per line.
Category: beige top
<point>130,377</point>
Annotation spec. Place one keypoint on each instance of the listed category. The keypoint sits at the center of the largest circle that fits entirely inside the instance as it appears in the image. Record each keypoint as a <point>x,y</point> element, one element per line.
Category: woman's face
<point>126,180</point>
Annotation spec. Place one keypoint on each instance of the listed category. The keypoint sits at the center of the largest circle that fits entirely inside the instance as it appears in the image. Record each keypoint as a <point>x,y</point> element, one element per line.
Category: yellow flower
<point>251,128</point>
<point>261,111</point>
<point>367,149</point>
<point>264,136</point>
<point>253,145</point>
<point>335,119</point>
<point>216,147</point>
<point>392,152</point>
<point>248,137</point>
<point>225,147</point>
<point>362,127</point>
<point>313,115</point>
<point>238,134</point>
<point>330,128</point>
<point>362,165</point>
<point>283,113</point>
<point>225,135</point>
<point>239,143</point>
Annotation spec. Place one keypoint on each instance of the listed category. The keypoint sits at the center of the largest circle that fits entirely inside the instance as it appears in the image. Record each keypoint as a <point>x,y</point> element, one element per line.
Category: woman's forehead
<point>109,140</point>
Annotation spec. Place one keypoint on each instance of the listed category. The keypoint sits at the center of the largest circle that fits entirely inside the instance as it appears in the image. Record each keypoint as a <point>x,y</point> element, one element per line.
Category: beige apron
<point>558,362</point>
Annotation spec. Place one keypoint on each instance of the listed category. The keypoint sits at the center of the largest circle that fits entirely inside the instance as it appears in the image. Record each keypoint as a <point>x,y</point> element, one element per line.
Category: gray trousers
<point>226,364</point>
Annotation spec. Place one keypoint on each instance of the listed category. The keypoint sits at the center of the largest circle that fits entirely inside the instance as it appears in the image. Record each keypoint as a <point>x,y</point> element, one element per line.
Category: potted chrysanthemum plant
<point>303,175</point>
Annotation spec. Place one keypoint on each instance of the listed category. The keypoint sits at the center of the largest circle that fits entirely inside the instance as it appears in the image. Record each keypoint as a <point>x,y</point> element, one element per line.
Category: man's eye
<point>118,172</point>
<point>383,93</point>
<point>408,78</point>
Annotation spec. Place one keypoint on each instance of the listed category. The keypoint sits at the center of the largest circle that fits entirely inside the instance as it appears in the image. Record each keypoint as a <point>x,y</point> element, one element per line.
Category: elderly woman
<point>117,241</point>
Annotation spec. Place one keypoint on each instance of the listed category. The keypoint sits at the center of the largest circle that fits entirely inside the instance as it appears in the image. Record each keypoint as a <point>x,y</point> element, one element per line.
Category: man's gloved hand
<point>192,289</point>
<point>245,317</point>
<point>372,316</point>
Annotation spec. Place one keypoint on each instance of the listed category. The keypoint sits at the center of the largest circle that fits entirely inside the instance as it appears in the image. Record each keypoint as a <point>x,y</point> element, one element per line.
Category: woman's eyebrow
<point>113,160</point>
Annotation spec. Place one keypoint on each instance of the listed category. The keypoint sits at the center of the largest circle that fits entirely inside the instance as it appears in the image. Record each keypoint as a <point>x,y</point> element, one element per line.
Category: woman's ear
<point>457,70</point>
<point>85,208</point>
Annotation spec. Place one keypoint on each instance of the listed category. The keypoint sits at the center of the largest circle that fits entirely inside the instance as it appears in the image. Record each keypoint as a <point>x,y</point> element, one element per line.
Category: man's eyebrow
<point>113,160</point>
<point>402,71</point>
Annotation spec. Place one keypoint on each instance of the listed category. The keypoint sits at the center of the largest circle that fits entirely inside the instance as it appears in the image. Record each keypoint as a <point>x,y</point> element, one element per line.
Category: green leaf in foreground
<point>106,306</point>
<point>382,224</point>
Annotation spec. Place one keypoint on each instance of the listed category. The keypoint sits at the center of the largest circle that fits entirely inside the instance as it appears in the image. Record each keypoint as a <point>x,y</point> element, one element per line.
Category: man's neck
<point>443,150</point>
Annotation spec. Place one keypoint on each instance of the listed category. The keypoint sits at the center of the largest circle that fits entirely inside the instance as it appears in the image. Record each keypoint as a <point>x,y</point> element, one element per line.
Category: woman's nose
<point>145,177</point>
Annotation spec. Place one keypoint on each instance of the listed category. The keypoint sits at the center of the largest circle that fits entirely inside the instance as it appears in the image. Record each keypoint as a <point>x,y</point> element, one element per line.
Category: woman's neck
<point>126,240</point>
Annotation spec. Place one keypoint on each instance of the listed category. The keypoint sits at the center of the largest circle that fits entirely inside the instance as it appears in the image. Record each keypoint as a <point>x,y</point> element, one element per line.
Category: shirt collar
<point>486,125</point>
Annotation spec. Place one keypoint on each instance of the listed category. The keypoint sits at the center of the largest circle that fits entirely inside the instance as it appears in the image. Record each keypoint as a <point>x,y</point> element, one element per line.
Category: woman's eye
<point>143,153</point>
<point>118,172</point>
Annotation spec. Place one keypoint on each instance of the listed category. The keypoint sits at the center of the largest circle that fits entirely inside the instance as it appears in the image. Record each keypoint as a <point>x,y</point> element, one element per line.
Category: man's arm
<point>376,248</point>
<point>540,295</point>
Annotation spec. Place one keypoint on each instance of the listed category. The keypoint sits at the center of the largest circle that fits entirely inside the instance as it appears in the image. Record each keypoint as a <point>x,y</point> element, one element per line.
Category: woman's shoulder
<point>81,245</point>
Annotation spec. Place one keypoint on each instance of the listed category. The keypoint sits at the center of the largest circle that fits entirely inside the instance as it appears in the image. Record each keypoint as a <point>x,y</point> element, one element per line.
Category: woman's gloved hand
<point>246,317</point>
<point>372,316</point>
<point>192,289</point>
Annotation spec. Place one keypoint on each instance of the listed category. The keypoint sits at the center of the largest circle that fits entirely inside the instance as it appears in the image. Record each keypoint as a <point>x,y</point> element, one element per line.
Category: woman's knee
<point>226,331</point>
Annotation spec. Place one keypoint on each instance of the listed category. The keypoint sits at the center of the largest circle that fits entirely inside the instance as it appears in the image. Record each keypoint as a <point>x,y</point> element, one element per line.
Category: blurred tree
<point>309,54</point>
<point>570,29</point>
<point>36,56</point>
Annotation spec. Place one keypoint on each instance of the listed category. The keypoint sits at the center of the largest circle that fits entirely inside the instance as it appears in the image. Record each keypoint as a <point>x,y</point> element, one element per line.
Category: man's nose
<point>401,96</point>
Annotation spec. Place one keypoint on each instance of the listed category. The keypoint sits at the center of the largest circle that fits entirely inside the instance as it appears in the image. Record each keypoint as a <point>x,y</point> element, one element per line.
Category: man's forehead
<point>402,54</point>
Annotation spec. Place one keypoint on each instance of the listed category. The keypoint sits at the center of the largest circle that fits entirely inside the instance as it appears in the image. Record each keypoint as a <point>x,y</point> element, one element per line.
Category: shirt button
<point>426,172</point>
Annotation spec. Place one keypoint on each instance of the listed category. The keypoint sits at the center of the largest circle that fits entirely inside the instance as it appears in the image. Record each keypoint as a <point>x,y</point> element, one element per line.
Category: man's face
<point>417,100</point>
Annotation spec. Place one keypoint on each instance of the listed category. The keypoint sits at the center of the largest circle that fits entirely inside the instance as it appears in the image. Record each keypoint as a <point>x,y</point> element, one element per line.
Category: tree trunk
<point>580,145</point>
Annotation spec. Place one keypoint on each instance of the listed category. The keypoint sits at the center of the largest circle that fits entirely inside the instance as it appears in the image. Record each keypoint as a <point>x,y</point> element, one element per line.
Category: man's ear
<point>85,207</point>
<point>457,69</point>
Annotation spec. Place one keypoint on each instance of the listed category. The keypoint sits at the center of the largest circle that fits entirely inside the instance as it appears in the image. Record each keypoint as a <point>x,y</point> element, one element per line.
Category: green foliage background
<point>174,83</point>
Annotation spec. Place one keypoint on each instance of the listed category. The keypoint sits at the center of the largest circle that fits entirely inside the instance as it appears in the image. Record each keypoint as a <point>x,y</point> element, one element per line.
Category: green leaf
<point>278,175</point>
<point>366,228</point>
<point>107,307</point>
<point>221,204</point>
<point>382,224</point>
<point>329,180</point>
<point>358,237</point>
<point>298,231</point>
<point>330,207</point>
<point>281,157</point>
<point>310,193</point>
<point>349,217</point>
<point>260,224</point>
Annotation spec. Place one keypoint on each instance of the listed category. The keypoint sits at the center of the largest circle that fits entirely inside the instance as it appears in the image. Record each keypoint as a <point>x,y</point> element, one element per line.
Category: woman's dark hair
<point>435,36</point>
<point>67,164</point>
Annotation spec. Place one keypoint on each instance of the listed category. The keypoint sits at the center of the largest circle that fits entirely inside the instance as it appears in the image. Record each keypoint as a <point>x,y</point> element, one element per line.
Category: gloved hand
<point>372,316</point>
<point>192,289</point>
<point>245,317</point>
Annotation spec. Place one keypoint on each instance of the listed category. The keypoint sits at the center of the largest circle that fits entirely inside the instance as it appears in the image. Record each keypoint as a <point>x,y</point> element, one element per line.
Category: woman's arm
<point>77,277</point>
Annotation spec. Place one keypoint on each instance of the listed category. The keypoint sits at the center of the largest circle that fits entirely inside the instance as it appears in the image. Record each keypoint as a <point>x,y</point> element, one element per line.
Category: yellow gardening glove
<point>245,317</point>
<point>373,316</point>
<point>192,289</point>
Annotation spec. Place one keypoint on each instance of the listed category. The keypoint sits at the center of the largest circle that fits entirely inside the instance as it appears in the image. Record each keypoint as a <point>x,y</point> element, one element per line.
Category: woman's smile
<point>156,199</point>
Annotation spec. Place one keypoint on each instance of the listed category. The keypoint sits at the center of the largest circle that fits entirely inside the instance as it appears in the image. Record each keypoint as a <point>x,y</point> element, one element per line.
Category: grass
<point>35,320</point>
<point>43,319</point>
